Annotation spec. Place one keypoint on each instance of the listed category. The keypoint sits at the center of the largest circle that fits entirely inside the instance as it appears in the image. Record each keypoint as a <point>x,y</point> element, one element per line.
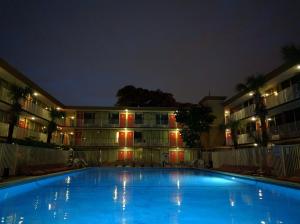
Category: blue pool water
<point>144,196</point>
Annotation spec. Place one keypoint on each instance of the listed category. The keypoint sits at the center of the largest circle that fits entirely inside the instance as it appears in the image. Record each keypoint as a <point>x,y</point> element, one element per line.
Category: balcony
<point>26,105</point>
<point>104,123</point>
<point>36,109</point>
<point>22,133</point>
<point>245,139</point>
<point>288,130</point>
<point>284,96</point>
<point>243,113</point>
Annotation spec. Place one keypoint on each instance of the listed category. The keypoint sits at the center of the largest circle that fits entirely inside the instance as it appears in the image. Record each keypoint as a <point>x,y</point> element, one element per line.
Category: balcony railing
<point>286,95</point>
<point>245,139</point>
<point>22,133</point>
<point>113,143</point>
<point>29,106</point>
<point>243,113</point>
<point>104,123</point>
<point>288,130</point>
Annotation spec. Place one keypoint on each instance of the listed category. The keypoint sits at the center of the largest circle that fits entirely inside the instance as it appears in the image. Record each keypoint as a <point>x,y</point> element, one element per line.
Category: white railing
<point>22,133</point>
<point>26,105</point>
<point>243,113</point>
<point>289,130</point>
<point>245,139</point>
<point>286,95</point>
<point>281,160</point>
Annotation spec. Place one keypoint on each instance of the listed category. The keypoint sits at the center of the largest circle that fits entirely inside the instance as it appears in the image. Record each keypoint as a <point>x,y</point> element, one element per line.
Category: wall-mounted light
<point>255,144</point>
<point>298,66</point>
<point>253,118</point>
<point>72,117</point>
<point>269,119</point>
<point>58,108</point>
<point>32,118</point>
<point>35,94</point>
<point>275,93</point>
<point>251,94</point>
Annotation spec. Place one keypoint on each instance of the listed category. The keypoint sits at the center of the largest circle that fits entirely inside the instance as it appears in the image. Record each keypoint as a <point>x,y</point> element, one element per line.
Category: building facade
<point>281,93</point>
<point>118,134</point>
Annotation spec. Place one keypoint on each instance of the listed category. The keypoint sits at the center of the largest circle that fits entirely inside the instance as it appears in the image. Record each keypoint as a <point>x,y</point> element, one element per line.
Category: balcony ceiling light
<point>298,66</point>
<point>251,94</point>
<point>253,118</point>
<point>32,118</point>
<point>35,94</point>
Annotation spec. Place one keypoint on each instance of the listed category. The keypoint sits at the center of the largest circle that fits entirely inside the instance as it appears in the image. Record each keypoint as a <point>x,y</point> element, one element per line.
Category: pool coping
<point>267,180</point>
<point>30,179</point>
<point>242,176</point>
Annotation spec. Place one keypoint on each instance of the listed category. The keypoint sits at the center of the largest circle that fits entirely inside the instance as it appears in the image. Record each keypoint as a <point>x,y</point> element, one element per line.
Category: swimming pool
<point>144,196</point>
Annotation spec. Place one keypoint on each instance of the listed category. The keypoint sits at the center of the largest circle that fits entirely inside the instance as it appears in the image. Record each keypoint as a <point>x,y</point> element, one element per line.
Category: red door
<point>172,121</point>
<point>122,120</point>
<point>180,156</point>
<point>179,140</point>
<point>122,139</point>
<point>79,118</point>
<point>129,155</point>
<point>121,155</point>
<point>130,120</point>
<point>78,135</point>
<point>172,157</point>
<point>172,139</point>
<point>129,138</point>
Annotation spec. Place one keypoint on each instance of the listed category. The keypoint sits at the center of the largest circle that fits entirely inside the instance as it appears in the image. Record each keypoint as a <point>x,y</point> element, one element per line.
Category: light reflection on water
<point>149,196</point>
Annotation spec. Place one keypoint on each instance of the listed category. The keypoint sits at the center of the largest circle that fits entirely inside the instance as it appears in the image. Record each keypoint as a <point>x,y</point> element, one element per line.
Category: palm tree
<point>254,84</point>
<point>52,126</point>
<point>233,125</point>
<point>17,94</point>
<point>290,53</point>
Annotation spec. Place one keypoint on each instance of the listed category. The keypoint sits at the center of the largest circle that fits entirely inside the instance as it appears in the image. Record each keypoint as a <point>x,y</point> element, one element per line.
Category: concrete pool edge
<point>31,179</point>
<point>261,179</point>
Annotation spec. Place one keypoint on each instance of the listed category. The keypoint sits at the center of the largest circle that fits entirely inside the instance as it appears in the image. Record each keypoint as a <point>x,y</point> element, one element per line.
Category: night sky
<point>83,51</point>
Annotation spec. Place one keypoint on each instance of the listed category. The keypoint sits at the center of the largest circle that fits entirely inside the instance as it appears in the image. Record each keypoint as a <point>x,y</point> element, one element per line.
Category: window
<point>138,136</point>
<point>297,114</point>
<point>296,79</point>
<point>285,84</point>
<point>278,119</point>
<point>162,119</point>
<point>139,118</point>
<point>250,127</point>
<point>89,118</point>
<point>289,116</point>
<point>113,118</point>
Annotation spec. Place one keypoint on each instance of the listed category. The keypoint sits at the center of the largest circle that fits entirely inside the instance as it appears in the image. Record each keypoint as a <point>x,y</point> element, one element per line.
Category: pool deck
<point>4,183</point>
<point>16,180</point>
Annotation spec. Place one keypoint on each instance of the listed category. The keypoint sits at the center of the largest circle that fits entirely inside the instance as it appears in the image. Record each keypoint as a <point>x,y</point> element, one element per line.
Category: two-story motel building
<point>281,93</point>
<point>118,133</point>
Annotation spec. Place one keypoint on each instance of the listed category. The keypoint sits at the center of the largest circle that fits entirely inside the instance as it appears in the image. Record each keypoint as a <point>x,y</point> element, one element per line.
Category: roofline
<point>212,98</point>
<point>274,73</point>
<point>118,108</point>
<point>19,75</point>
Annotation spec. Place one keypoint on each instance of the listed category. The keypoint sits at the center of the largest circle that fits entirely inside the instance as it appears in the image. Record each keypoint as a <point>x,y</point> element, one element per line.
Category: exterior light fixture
<point>255,144</point>
<point>251,94</point>
<point>275,93</point>
<point>269,119</point>
<point>32,118</point>
<point>35,94</point>
<point>72,117</point>
<point>71,133</point>
<point>253,118</point>
<point>298,66</point>
<point>58,108</point>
